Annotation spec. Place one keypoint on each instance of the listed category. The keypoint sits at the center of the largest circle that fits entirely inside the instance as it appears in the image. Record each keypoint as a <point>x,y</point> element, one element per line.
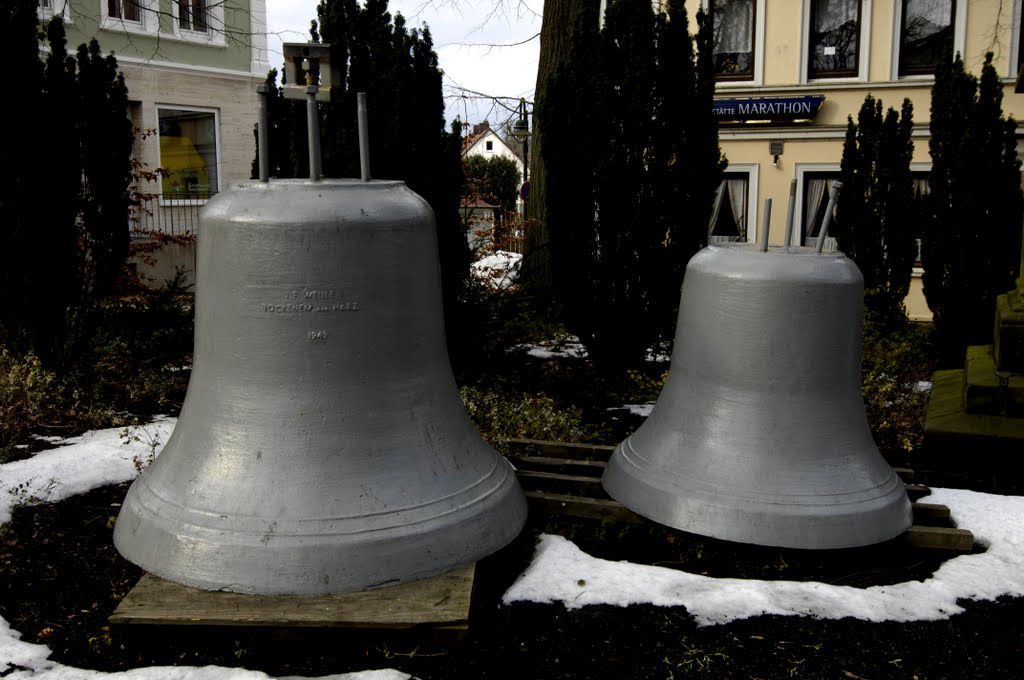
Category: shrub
<point>25,401</point>
<point>971,247</point>
<point>625,215</point>
<point>643,386</point>
<point>893,365</point>
<point>501,417</point>
<point>876,222</point>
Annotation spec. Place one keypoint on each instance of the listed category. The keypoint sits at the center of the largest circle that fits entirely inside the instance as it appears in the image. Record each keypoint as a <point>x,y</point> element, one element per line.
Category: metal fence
<point>175,213</point>
<point>712,238</point>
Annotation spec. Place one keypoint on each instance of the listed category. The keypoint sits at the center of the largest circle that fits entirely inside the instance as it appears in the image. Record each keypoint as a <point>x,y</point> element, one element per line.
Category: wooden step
<point>582,496</point>
<point>440,602</point>
<point>567,450</point>
<point>941,538</point>
<point>536,453</point>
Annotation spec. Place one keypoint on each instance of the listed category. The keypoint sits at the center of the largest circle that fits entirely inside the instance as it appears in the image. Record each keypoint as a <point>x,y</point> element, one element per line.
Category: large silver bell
<point>759,434</point>
<point>322,446</point>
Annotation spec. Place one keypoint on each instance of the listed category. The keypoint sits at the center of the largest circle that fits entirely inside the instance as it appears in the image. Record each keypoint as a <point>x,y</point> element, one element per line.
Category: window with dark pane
<point>926,35</point>
<point>922,187</point>
<point>834,38</point>
<point>732,25</point>
<point>729,215</point>
<point>817,191</point>
<point>123,9</point>
<point>192,15</point>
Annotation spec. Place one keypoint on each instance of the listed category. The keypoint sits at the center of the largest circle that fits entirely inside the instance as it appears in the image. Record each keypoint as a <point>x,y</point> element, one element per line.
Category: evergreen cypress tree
<point>63,200</point>
<point>283,117</point>
<point>106,140</point>
<point>876,223</point>
<point>970,248</point>
<point>635,183</point>
<point>397,69</point>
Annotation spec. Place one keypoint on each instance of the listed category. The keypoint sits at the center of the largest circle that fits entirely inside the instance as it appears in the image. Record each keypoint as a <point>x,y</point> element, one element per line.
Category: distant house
<point>191,67</point>
<point>479,215</point>
<point>483,141</point>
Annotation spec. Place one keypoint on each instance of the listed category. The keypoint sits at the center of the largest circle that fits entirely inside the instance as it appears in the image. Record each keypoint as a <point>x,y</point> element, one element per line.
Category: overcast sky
<point>462,31</point>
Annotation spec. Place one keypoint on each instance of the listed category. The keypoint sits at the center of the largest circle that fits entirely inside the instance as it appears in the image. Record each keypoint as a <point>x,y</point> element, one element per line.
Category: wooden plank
<point>559,483</point>
<point>929,513</point>
<point>578,506</point>
<point>440,602</point>
<point>917,491</point>
<point>533,462</point>
<point>558,476</point>
<point>906,474</point>
<point>563,449</point>
<point>542,452</point>
<point>941,538</point>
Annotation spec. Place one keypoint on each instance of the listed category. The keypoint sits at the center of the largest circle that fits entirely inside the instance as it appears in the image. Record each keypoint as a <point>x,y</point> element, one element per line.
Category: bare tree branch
<point>503,108</point>
<point>533,37</point>
<point>216,23</point>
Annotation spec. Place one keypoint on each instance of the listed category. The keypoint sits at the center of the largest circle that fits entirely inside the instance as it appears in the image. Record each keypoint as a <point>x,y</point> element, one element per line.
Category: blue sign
<point>524,191</point>
<point>768,109</point>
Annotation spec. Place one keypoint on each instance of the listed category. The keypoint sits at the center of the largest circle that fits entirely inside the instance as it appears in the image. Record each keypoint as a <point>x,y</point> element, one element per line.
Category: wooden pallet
<point>565,479</point>
<point>439,603</point>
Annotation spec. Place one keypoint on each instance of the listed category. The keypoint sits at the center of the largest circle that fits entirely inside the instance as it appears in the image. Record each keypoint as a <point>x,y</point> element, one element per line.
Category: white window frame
<point>47,13</point>
<point>864,49</point>
<point>148,23</point>
<point>214,33</point>
<point>752,171</point>
<point>800,170</point>
<point>759,46</point>
<point>959,38</point>
<point>926,166</point>
<point>803,168</point>
<point>216,136</point>
<point>1015,34</point>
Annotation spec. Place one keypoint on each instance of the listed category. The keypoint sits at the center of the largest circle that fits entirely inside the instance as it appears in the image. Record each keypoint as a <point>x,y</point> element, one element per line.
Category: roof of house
<point>482,130</point>
<point>475,203</point>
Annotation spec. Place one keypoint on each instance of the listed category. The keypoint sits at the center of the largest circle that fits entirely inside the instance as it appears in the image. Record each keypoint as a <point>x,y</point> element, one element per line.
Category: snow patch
<point>561,572</point>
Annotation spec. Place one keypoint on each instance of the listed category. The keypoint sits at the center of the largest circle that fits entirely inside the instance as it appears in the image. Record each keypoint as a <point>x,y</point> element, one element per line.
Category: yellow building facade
<point>790,72</point>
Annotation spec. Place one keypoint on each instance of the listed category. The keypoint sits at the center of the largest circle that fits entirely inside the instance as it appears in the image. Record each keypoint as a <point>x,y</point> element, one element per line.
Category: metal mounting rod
<point>789,215</point>
<point>261,131</point>
<point>837,186</point>
<point>313,124</point>
<point>763,244</point>
<point>364,137</point>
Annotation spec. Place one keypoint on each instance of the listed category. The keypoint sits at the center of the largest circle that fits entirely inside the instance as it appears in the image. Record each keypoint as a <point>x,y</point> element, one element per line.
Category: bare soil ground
<point>60,577</point>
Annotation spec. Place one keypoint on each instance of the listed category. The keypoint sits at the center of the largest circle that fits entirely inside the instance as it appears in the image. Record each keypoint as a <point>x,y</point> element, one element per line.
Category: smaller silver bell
<point>759,435</point>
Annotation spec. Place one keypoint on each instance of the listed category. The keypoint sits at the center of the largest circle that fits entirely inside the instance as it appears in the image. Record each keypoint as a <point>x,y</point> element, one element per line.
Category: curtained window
<point>921,190</point>
<point>834,38</point>
<point>927,32</point>
<point>732,26</point>
<point>729,216</point>
<point>192,15</point>
<point>128,10</point>
<point>817,190</point>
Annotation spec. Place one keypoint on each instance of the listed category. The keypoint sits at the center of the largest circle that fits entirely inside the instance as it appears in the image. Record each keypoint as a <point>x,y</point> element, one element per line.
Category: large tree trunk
<point>555,41</point>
